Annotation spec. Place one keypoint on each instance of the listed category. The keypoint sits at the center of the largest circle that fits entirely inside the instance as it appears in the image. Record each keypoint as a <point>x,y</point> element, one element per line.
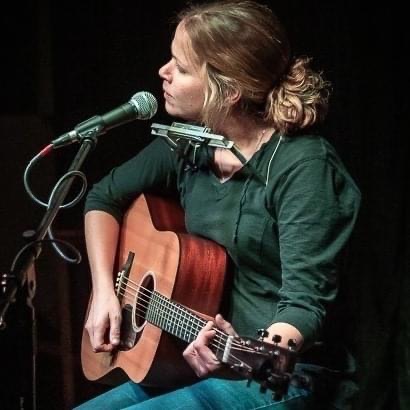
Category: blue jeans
<point>215,394</point>
<point>222,394</point>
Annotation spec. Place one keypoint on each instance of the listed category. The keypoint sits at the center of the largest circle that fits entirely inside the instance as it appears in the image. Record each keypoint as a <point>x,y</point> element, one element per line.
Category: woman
<point>283,217</point>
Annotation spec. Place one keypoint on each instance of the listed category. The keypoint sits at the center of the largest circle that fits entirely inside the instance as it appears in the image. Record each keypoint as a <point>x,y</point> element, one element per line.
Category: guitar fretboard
<point>173,318</point>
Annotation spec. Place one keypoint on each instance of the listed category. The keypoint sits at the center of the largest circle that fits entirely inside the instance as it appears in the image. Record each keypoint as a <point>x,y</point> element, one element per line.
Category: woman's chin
<point>172,111</point>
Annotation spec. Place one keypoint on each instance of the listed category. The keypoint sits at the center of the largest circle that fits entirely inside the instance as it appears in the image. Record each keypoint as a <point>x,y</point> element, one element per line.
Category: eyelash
<point>180,69</point>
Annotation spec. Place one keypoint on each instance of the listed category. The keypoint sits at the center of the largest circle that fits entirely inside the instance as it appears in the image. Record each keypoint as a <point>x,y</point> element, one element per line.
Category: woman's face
<point>182,83</point>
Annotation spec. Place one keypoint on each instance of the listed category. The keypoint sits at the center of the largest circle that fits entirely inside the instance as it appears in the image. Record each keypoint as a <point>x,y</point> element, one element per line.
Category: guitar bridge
<point>123,274</point>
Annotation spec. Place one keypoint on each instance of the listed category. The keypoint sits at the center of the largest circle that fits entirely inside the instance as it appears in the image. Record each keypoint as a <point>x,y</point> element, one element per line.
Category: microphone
<point>141,106</point>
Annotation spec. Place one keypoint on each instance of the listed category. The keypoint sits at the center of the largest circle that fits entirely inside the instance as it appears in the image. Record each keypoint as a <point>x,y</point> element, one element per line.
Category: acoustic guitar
<point>170,283</point>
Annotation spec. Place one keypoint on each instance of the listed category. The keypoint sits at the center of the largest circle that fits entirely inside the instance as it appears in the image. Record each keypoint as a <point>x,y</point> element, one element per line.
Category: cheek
<point>196,96</point>
<point>193,105</point>
<point>193,98</point>
<point>189,96</point>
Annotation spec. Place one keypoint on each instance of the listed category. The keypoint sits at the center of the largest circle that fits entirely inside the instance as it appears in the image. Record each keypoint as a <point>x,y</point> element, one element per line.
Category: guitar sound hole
<point>133,317</point>
<point>143,300</point>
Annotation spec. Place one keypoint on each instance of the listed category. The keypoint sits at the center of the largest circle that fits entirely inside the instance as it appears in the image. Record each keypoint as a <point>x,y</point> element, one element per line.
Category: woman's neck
<point>248,134</point>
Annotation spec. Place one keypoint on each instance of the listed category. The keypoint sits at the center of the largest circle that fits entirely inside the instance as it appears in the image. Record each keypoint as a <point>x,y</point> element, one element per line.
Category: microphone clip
<point>89,129</point>
<point>197,135</point>
<point>190,132</point>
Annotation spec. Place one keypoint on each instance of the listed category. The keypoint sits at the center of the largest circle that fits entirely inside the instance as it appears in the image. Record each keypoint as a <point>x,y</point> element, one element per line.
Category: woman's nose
<point>164,71</point>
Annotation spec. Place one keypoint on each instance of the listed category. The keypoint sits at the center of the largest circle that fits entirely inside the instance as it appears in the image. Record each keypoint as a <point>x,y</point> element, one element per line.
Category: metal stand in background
<point>23,273</point>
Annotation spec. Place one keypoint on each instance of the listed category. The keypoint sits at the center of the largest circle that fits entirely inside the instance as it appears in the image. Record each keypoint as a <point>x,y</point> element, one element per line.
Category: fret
<point>173,318</point>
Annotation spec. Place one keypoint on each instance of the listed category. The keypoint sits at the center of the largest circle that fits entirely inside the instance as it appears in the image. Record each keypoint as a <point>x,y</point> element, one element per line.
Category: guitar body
<point>187,269</point>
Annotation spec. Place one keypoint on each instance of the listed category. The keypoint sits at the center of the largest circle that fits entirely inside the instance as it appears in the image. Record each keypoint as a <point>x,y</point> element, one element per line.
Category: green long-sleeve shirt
<point>283,225</point>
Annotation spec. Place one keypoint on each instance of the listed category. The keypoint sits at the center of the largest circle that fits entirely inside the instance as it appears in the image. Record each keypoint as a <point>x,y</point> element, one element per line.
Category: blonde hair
<point>242,47</point>
<point>300,100</point>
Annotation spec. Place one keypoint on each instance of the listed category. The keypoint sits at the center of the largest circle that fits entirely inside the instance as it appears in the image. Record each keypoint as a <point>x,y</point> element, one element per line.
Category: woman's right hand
<point>104,321</point>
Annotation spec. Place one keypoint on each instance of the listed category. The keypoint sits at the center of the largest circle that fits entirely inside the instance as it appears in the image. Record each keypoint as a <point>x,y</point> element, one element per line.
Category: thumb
<point>115,324</point>
<point>225,325</point>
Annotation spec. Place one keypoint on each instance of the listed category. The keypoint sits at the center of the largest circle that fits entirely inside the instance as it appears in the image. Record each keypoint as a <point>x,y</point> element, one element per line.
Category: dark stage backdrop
<point>64,62</point>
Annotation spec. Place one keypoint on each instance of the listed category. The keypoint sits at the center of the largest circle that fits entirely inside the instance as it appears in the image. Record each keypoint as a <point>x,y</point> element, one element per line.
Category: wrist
<point>103,285</point>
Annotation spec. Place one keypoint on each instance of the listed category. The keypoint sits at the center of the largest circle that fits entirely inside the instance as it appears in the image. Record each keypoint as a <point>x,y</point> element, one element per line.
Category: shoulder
<point>306,147</point>
<point>286,153</point>
<point>307,159</point>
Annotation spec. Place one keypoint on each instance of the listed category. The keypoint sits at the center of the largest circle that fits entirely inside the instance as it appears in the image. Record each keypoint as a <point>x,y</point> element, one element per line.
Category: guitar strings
<point>147,300</point>
<point>182,311</point>
<point>220,336</point>
<point>183,314</point>
<point>148,297</point>
<point>218,343</point>
<point>232,359</point>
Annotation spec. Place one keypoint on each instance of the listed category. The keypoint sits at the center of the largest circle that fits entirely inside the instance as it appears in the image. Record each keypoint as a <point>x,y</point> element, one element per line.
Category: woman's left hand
<point>198,354</point>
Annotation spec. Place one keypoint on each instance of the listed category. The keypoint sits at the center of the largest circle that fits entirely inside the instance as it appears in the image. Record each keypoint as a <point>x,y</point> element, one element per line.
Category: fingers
<point>115,325</point>
<point>103,326</point>
<point>201,364</point>
<point>98,337</point>
<point>199,356</point>
<point>203,341</point>
<point>97,333</point>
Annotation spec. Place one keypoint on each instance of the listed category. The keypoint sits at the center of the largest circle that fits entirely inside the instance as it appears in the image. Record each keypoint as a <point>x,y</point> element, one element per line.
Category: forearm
<point>101,234</point>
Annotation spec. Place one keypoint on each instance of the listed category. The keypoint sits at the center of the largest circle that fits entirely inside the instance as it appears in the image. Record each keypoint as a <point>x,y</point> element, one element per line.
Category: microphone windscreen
<point>144,104</point>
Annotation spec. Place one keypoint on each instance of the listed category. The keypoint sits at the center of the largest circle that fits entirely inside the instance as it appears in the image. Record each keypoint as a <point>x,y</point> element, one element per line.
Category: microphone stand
<point>24,270</point>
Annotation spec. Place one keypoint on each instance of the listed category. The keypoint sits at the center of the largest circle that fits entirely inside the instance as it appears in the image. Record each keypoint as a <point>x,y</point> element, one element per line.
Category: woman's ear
<point>234,96</point>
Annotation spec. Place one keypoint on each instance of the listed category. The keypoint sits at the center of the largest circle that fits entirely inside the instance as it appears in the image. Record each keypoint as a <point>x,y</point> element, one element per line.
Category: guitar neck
<point>182,323</point>
<point>173,318</point>
<point>244,355</point>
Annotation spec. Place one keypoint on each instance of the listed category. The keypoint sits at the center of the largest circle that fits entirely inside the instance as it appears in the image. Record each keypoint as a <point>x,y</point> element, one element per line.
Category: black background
<point>63,62</point>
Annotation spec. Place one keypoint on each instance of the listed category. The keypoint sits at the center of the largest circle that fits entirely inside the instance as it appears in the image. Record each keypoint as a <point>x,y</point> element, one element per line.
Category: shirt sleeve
<point>153,167</point>
<point>317,205</point>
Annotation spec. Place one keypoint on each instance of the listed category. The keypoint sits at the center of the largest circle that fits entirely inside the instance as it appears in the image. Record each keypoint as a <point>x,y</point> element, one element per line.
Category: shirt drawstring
<point>245,188</point>
<point>241,203</point>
